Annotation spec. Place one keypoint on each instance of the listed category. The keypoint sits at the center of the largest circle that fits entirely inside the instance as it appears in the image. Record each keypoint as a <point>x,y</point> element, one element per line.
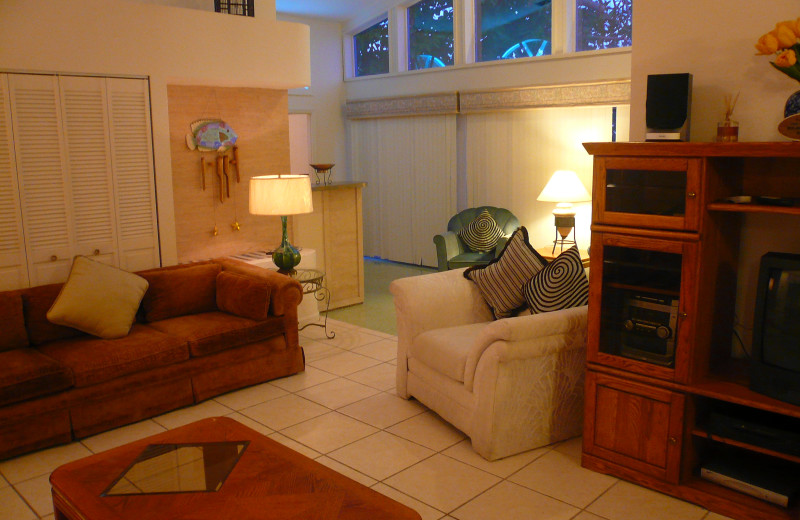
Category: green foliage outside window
<point>603,24</point>
<point>508,29</point>
<point>371,49</point>
<point>430,34</point>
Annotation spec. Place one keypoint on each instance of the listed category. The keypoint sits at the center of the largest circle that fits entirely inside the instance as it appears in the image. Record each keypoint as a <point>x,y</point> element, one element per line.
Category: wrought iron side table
<point>312,281</point>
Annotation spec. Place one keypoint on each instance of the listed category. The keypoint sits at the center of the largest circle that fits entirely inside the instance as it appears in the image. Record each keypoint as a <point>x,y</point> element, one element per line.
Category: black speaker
<point>669,102</point>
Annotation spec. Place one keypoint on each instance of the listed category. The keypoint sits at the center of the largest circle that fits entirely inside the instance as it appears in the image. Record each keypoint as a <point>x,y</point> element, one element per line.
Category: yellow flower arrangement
<point>784,42</point>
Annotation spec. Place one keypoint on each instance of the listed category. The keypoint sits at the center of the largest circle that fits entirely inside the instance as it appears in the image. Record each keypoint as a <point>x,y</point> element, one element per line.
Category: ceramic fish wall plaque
<point>209,135</point>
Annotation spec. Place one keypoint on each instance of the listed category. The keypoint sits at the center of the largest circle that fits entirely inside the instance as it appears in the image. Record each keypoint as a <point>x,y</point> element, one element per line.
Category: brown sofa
<point>58,384</point>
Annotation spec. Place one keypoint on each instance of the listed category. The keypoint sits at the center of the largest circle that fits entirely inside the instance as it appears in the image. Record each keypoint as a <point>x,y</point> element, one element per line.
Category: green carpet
<point>377,311</point>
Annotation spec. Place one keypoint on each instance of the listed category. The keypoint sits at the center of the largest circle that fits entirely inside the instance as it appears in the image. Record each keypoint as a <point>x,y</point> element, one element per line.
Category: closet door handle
<point>96,252</point>
<point>53,258</point>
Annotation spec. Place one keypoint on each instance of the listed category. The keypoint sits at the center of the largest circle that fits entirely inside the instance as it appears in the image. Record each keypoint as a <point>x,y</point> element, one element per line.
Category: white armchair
<point>511,385</point>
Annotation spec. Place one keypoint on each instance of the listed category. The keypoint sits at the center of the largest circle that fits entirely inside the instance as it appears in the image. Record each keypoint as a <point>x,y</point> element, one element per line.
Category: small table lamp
<point>281,195</point>
<point>564,187</point>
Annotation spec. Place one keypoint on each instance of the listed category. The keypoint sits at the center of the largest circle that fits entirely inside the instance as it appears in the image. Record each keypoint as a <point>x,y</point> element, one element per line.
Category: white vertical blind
<point>511,155</point>
<point>13,268</point>
<point>409,164</point>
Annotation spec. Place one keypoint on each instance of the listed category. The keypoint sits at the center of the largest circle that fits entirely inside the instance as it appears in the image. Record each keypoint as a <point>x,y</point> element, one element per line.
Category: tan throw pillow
<point>98,299</point>
<point>502,280</point>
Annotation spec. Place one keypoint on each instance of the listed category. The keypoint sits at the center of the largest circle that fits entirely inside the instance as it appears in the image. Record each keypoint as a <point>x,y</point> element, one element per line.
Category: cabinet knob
<point>96,252</point>
<point>682,315</point>
<point>691,194</point>
<point>53,258</point>
<point>672,441</point>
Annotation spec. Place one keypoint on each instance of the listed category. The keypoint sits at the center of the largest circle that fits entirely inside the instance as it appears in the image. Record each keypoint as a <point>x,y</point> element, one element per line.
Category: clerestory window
<point>371,49</point>
<point>430,34</point>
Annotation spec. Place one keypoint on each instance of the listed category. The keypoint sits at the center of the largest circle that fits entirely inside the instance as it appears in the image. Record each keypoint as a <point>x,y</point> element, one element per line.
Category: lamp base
<point>565,224</point>
<point>287,256</point>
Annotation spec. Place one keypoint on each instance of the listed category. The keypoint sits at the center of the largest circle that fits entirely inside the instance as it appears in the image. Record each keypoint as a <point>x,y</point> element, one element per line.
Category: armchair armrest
<point>525,337</point>
<point>447,246</point>
<point>437,300</point>
<point>432,301</point>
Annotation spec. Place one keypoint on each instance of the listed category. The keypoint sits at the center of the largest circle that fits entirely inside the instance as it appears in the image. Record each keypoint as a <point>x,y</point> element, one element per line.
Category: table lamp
<point>564,187</point>
<point>281,195</point>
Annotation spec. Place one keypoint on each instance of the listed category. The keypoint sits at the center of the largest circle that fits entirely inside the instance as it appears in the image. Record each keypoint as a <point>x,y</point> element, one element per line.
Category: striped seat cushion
<point>560,285</point>
<point>481,234</point>
<point>501,281</point>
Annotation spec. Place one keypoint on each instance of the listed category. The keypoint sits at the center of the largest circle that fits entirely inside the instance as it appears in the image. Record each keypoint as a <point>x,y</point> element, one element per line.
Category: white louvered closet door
<point>134,181</point>
<point>13,266</point>
<point>43,176</point>
<point>85,125</point>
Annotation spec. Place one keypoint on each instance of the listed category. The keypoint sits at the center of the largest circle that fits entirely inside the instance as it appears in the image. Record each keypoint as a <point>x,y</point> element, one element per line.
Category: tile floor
<point>342,412</point>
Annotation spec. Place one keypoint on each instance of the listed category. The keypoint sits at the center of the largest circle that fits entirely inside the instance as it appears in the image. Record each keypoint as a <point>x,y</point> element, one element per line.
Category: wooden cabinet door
<point>634,425</point>
<point>628,270</point>
<point>652,192</point>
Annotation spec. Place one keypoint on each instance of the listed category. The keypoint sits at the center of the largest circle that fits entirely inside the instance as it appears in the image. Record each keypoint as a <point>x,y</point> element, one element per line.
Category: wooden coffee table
<point>212,469</point>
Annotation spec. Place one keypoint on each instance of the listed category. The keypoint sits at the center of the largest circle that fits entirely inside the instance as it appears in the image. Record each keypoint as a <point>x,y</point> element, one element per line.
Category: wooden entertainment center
<point>665,254</point>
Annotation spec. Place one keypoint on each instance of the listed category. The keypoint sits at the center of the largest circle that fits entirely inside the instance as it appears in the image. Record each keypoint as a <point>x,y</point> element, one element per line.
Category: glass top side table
<point>312,281</point>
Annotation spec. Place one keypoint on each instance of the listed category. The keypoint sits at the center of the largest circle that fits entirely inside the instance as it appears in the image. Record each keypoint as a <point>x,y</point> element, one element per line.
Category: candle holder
<point>323,170</point>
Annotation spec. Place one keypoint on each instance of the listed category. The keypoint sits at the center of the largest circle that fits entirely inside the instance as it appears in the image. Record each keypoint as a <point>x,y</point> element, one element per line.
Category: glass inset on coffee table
<point>178,468</point>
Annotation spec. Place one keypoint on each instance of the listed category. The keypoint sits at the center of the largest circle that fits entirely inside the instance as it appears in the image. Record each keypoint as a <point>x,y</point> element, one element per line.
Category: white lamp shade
<point>564,186</point>
<point>280,195</point>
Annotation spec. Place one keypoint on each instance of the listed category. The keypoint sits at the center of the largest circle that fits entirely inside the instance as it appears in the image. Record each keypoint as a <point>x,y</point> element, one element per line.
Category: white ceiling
<point>340,10</point>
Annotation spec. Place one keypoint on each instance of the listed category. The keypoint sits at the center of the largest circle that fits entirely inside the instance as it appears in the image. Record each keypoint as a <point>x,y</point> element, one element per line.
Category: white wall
<point>713,40</point>
<point>170,45</point>
<point>325,99</point>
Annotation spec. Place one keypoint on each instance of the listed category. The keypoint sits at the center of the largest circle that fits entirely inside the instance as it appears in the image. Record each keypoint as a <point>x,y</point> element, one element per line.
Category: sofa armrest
<point>530,336</point>
<point>447,246</point>
<point>286,293</point>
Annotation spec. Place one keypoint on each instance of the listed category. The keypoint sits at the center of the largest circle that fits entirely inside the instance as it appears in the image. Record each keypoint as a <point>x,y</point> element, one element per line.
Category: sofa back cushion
<point>36,301</point>
<point>14,334</point>
<point>181,290</point>
<point>243,295</point>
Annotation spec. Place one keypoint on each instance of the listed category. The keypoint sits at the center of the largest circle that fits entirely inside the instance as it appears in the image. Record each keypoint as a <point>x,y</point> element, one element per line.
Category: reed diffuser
<point>728,129</point>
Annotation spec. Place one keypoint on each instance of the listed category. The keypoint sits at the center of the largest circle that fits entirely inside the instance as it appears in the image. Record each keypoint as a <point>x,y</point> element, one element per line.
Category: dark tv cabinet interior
<point>661,376</point>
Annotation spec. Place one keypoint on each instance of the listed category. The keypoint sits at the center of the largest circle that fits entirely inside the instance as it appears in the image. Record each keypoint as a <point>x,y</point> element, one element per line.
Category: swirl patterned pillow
<point>560,285</point>
<point>502,280</point>
<point>481,234</point>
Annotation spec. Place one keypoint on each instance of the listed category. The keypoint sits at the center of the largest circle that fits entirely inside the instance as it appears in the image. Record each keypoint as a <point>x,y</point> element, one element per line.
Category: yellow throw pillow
<point>98,299</point>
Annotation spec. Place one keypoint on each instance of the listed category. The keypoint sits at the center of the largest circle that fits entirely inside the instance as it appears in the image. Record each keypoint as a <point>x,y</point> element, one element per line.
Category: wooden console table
<point>335,231</point>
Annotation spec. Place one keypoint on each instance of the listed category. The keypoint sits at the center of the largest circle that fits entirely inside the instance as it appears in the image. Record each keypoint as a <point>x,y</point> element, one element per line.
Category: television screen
<point>780,339</point>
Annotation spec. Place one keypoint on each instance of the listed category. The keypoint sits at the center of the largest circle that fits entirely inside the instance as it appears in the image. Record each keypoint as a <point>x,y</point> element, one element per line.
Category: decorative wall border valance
<point>601,93</point>
<point>581,94</point>
<point>427,104</point>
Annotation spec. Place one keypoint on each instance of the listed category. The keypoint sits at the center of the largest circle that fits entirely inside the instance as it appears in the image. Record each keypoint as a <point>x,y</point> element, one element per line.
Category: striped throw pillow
<point>560,285</point>
<point>501,281</point>
<point>481,234</point>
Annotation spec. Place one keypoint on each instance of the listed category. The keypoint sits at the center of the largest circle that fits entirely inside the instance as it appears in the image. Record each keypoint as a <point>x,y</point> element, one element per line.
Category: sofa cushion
<point>98,299</point>
<point>500,282</point>
<point>189,289</point>
<point>212,332</point>
<point>14,334</point>
<point>27,374</point>
<point>243,295</point>
<point>560,285</point>
<point>482,233</point>
<point>445,350</point>
<point>94,360</point>
<point>36,301</point>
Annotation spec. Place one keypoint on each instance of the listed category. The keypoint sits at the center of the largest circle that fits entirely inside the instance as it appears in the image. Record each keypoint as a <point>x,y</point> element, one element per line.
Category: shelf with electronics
<point>668,236</point>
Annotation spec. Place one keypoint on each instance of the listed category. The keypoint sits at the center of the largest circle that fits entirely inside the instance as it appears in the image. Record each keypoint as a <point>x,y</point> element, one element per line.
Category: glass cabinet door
<point>640,302</point>
<point>652,193</point>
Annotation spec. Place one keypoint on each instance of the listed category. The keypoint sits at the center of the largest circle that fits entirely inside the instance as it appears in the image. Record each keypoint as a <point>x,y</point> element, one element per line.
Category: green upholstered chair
<point>453,253</point>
